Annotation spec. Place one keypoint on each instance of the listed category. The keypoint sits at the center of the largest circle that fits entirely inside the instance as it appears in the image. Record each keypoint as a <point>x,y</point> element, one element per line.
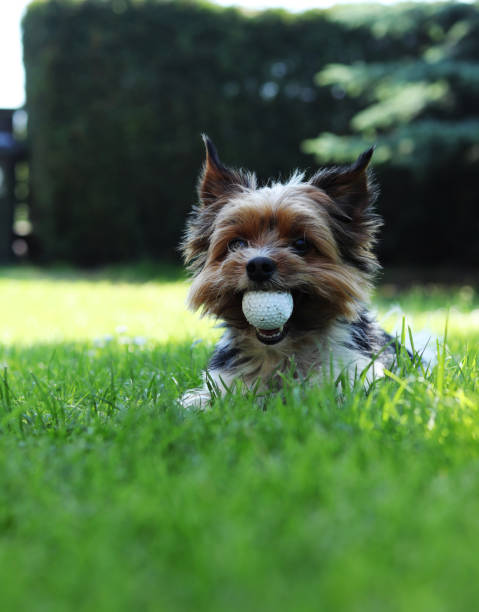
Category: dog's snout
<point>260,268</point>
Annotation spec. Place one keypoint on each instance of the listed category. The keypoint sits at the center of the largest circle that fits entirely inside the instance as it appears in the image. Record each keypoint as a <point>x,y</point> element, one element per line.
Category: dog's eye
<point>301,246</point>
<point>237,243</point>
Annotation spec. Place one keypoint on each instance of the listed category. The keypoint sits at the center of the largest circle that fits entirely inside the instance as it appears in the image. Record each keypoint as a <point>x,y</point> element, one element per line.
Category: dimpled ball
<point>267,309</point>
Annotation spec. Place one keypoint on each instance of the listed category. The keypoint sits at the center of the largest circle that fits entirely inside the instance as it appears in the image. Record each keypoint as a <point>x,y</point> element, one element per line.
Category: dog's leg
<point>198,399</point>
<point>216,383</point>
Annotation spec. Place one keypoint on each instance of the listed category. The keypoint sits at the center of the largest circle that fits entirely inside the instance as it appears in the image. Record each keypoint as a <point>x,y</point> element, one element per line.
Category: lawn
<point>113,498</point>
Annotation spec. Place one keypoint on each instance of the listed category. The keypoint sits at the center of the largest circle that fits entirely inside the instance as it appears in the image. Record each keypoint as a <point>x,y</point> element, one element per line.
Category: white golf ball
<point>267,309</point>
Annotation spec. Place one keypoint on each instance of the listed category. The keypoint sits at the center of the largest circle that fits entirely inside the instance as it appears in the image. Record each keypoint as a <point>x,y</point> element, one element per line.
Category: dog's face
<point>312,238</point>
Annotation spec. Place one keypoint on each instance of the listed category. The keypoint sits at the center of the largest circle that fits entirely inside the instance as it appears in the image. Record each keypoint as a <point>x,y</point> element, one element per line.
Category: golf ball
<point>267,309</point>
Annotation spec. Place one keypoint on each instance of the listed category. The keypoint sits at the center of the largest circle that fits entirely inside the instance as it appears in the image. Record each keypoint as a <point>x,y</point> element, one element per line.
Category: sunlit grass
<point>428,307</point>
<point>40,307</point>
<point>50,307</point>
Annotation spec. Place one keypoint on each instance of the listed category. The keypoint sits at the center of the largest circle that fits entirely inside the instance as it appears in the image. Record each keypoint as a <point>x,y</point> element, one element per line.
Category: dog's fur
<point>319,235</point>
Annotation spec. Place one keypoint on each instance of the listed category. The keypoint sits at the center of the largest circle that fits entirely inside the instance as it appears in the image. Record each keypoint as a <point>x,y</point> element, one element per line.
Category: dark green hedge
<point>118,93</point>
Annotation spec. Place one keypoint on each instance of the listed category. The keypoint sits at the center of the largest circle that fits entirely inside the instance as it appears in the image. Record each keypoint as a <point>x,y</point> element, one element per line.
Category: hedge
<point>118,93</point>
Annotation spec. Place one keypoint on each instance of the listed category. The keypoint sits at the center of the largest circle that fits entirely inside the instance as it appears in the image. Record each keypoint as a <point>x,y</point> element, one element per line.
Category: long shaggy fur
<point>237,221</point>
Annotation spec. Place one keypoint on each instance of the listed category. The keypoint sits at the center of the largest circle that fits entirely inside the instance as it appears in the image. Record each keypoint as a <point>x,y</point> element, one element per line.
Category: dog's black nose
<point>260,268</point>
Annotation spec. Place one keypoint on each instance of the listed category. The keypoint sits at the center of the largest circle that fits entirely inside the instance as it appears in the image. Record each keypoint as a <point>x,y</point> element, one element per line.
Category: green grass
<point>112,498</point>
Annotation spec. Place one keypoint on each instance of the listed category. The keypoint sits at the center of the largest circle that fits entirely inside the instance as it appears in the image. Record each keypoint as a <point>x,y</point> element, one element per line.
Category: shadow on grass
<point>137,272</point>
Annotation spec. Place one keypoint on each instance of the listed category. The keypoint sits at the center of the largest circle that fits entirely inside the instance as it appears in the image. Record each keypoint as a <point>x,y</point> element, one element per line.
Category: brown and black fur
<point>331,215</point>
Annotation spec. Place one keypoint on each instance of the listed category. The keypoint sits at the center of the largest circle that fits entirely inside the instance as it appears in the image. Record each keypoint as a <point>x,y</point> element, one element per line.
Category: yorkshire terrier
<point>313,238</point>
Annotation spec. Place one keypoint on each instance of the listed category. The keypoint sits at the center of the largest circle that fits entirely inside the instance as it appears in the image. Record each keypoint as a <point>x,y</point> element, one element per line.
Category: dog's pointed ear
<point>350,186</point>
<point>216,180</point>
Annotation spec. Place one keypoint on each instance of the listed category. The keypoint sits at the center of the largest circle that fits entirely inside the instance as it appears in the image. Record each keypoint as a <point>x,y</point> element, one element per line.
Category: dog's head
<point>312,237</point>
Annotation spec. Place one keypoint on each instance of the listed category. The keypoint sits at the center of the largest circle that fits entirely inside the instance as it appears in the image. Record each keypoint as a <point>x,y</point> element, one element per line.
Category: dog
<point>312,237</point>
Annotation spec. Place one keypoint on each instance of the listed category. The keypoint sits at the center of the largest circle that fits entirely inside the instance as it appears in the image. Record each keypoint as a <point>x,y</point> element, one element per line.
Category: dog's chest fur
<point>350,347</point>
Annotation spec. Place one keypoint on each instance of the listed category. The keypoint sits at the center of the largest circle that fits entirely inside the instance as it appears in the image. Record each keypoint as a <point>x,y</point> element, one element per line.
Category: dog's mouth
<point>271,336</point>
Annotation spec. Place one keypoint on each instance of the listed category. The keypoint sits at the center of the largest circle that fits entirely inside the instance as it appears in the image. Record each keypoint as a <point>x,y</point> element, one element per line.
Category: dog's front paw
<point>196,399</point>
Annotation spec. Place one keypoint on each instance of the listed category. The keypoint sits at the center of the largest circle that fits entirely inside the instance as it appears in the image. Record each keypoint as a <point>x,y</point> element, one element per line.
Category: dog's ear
<point>353,220</point>
<point>349,186</point>
<point>216,180</point>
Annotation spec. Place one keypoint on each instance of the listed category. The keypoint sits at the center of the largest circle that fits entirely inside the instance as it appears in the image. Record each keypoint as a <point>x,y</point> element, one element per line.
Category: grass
<point>112,498</point>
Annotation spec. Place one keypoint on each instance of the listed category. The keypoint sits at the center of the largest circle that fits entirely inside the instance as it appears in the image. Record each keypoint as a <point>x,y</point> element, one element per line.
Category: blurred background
<point>99,156</point>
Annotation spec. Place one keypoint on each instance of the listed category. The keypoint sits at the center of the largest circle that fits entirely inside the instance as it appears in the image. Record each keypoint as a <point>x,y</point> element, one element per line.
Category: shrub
<point>118,93</point>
